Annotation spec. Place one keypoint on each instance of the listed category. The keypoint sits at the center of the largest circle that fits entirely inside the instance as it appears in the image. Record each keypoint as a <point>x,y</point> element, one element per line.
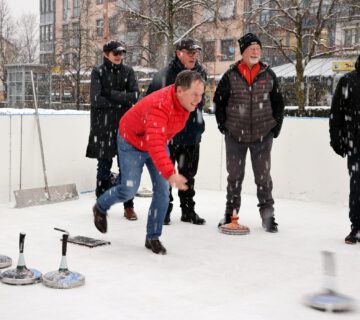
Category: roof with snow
<point>316,67</point>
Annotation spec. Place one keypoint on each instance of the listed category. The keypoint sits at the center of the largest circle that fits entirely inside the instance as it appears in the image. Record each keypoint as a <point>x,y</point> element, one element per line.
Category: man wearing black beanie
<point>249,112</point>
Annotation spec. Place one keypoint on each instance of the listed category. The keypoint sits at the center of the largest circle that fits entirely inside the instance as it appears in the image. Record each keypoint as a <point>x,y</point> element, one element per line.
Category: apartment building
<point>219,37</point>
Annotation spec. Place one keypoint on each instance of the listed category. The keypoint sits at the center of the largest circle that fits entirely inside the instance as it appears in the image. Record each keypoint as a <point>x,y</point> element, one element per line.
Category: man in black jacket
<point>113,91</point>
<point>345,139</point>
<point>185,146</point>
<point>249,112</point>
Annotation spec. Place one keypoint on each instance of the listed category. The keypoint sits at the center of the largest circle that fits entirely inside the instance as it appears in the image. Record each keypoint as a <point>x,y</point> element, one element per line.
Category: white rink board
<point>303,165</point>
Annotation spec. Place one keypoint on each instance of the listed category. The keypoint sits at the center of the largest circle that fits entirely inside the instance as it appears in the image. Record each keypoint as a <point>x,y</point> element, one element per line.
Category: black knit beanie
<point>248,40</point>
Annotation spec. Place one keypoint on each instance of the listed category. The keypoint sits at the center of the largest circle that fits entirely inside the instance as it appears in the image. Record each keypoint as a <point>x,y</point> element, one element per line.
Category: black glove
<point>276,130</point>
<point>106,92</point>
<point>222,128</point>
<point>339,149</point>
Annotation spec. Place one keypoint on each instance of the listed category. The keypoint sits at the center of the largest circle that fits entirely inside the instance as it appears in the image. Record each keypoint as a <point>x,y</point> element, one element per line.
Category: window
<point>113,23</point>
<point>209,51</point>
<point>347,37</point>
<point>66,38</point>
<point>66,9</point>
<point>66,58</point>
<point>357,35</point>
<point>99,1</point>
<point>76,7</point>
<point>51,32</point>
<point>100,27</point>
<point>227,9</point>
<point>76,34</point>
<point>227,50</point>
<point>133,5</point>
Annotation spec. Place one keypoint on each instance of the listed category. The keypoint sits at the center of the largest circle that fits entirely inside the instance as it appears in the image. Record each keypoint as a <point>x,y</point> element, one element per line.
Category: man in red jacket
<point>144,132</point>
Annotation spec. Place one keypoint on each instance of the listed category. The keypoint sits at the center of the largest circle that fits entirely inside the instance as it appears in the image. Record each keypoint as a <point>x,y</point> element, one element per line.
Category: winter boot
<point>269,224</point>
<point>189,215</point>
<point>167,216</point>
<point>353,237</point>
<point>225,220</point>
<point>101,187</point>
<point>155,246</point>
<point>100,220</point>
<point>129,213</point>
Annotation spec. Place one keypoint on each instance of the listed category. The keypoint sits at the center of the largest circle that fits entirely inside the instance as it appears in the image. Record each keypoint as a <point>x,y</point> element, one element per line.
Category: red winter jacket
<point>151,123</point>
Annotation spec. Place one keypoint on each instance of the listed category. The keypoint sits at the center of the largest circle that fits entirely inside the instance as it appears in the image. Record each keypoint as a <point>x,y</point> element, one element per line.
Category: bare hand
<point>178,181</point>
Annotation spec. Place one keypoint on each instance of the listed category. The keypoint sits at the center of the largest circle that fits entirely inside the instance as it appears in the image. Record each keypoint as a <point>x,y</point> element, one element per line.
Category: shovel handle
<point>21,242</point>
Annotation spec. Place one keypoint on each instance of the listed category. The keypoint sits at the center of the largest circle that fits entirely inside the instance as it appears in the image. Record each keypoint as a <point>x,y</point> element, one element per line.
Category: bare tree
<point>299,30</point>
<point>7,48</point>
<point>28,38</point>
<point>164,23</point>
<point>76,50</point>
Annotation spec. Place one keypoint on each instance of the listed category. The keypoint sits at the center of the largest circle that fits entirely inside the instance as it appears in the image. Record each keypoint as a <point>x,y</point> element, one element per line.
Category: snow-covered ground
<point>205,275</point>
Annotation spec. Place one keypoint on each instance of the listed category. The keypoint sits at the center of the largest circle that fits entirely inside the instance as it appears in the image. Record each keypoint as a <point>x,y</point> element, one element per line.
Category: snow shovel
<point>44,195</point>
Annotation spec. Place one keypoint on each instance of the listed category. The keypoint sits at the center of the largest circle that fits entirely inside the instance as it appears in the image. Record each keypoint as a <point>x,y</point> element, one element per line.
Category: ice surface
<point>205,275</point>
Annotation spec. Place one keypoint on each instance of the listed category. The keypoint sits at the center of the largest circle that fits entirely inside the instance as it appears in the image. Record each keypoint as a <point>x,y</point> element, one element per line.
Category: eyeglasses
<point>191,53</point>
<point>118,53</point>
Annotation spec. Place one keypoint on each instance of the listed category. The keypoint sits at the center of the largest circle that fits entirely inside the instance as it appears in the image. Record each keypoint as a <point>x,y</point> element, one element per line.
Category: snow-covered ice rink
<point>205,275</point>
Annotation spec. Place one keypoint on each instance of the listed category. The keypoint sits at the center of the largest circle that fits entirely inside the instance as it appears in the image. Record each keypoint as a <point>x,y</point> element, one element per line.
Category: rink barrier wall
<point>303,165</point>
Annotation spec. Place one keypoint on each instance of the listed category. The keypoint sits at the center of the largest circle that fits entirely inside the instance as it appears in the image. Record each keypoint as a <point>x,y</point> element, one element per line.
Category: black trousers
<point>104,173</point>
<point>260,153</point>
<point>187,159</point>
<point>354,197</point>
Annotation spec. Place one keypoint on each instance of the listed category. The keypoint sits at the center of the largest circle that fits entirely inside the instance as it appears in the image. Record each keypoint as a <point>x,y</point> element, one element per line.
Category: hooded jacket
<point>195,126</point>
<point>345,113</point>
<point>113,91</point>
<point>152,123</point>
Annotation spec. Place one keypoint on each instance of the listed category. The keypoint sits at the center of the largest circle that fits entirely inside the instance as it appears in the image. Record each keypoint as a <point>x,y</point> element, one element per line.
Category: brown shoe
<point>130,214</point>
<point>100,220</point>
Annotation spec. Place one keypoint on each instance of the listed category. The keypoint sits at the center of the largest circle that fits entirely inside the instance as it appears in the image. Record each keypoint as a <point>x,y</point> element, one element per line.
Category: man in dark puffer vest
<point>249,112</point>
<point>345,139</point>
<point>113,91</point>
<point>185,146</point>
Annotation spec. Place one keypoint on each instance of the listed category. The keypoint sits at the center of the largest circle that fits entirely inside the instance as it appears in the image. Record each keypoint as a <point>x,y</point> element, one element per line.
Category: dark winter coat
<point>113,91</point>
<point>152,123</point>
<point>345,113</point>
<point>246,112</point>
<point>195,126</point>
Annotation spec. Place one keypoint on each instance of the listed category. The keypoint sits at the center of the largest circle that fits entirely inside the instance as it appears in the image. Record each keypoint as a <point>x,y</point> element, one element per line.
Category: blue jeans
<point>132,162</point>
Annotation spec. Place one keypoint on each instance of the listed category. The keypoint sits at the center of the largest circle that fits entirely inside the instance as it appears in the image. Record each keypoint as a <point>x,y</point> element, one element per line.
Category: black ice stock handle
<point>21,242</point>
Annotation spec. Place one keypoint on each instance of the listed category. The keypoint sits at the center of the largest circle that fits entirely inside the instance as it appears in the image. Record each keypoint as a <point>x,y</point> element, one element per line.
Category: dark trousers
<point>260,153</point>
<point>354,197</point>
<point>103,176</point>
<point>187,159</point>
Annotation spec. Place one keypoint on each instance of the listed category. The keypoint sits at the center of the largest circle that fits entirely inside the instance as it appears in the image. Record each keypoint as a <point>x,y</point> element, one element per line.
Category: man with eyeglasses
<point>113,91</point>
<point>185,146</point>
<point>249,112</point>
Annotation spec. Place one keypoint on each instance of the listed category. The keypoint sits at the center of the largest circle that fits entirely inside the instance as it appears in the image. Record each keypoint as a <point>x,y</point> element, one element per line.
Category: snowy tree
<point>27,38</point>
<point>299,30</point>
<point>76,49</point>
<point>7,47</point>
<point>164,23</point>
